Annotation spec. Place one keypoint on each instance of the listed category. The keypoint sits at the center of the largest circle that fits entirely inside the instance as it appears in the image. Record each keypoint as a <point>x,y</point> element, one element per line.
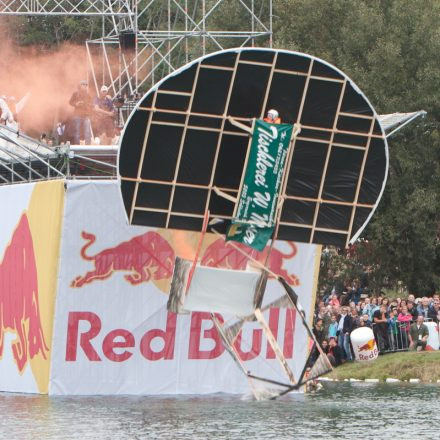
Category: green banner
<point>254,220</point>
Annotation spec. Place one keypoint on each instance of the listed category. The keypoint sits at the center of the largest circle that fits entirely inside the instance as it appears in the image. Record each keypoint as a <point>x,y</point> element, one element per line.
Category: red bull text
<point>370,348</point>
<point>96,346</point>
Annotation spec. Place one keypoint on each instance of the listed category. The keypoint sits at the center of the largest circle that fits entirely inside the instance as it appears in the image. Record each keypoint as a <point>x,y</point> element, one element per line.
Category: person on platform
<point>272,117</point>
<point>104,112</point>
<point>81,101</point>
<point>418,335</point>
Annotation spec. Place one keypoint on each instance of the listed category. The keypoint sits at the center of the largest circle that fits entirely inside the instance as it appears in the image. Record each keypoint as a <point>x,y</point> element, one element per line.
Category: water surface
<point>340,410</point>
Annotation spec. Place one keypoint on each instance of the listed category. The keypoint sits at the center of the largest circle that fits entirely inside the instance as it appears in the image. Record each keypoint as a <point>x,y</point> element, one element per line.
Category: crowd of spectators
<point>397,323</point>
<point>88,121</point>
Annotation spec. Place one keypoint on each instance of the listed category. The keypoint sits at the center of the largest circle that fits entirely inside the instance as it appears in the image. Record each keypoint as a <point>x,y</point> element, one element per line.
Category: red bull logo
<point>368,345</point>
<point>145,257</point>
<point>367,351</point>
<point>150,257</point>
<point>220,254</point>
<point>19,304</point>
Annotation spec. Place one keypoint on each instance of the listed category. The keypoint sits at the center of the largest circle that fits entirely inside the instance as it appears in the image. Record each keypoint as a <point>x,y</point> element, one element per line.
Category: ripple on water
<point>340,410</point>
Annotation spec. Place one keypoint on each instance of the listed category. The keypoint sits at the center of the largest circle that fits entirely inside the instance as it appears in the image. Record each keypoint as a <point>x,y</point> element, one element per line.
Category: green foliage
<point>390,48</point>
<point>50,31</point>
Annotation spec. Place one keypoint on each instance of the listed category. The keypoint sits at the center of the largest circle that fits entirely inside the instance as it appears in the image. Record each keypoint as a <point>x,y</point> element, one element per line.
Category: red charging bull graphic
<point>145,257</point>
<point>367,346</point>
<point>149,257</point>
<point>220,254</point>
<point>19,305</point>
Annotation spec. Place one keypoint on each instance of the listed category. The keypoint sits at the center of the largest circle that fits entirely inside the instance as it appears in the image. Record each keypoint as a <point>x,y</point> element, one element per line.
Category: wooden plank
<point>182,141</point>
<point>292,146</point>
<point>181,184</point>
<point>329,201</point>
<point>359,183</point>
<point>290,72</point>
<point>274,344</point>
<point>199,247</point>
<point>196,127</point>
<point>357,115</point>
<point>141,162</point>
<point>269,84</point>
<point>327,159</point>
<point>317,77</point>
<point>256,63</point>
<point>173,92</point>
<point>222,128</point>
<point>209,66</point>
<point>324,141</point>
<point>337,131</point>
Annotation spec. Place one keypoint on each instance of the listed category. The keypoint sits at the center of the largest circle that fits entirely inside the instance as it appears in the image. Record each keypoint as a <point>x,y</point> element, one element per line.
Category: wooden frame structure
<point>350,130</point>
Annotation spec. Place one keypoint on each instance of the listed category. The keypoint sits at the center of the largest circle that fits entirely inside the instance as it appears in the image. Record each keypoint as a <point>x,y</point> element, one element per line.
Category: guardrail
<point>396,337</point>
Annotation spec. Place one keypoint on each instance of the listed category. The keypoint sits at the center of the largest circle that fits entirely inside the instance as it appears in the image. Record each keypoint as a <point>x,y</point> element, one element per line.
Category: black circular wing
<point>178,145</point>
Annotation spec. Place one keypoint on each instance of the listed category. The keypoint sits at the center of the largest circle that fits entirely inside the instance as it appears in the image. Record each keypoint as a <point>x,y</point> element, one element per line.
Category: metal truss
<point>169,34</point>
<point>112,8</point>
<point>24,159</point>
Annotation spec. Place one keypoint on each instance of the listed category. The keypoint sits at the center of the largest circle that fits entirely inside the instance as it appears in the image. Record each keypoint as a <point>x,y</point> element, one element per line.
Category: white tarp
<point>391,121</point>
<point>220,290</point>
<point>113,334</point>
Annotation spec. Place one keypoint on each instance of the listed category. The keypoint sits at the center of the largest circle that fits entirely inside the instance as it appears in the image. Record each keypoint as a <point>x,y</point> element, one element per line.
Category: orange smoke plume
<point>50,76</point>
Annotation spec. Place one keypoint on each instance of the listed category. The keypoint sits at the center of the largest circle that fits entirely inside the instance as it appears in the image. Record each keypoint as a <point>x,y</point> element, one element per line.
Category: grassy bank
<point>404,366</point>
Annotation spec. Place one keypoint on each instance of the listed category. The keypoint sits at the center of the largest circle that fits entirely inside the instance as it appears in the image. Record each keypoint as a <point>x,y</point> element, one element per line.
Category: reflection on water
<point>343,410</point>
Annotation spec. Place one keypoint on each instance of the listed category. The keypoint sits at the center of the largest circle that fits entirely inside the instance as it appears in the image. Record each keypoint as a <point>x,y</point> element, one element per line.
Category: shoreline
<point>411,367</point>
<point>387,380</point>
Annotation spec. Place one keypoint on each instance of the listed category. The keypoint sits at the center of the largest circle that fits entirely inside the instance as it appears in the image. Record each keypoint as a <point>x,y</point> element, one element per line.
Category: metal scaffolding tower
<point>169,33</point>
<point>144,40</point>
<point>119,8</point>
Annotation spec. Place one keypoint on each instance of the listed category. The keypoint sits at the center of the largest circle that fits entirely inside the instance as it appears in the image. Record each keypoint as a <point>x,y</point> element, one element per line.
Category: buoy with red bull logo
<point>364,344</point>
<point>433,338</point>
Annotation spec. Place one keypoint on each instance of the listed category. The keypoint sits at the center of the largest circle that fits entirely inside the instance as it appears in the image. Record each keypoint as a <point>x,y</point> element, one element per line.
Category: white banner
<point>113,334</point>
